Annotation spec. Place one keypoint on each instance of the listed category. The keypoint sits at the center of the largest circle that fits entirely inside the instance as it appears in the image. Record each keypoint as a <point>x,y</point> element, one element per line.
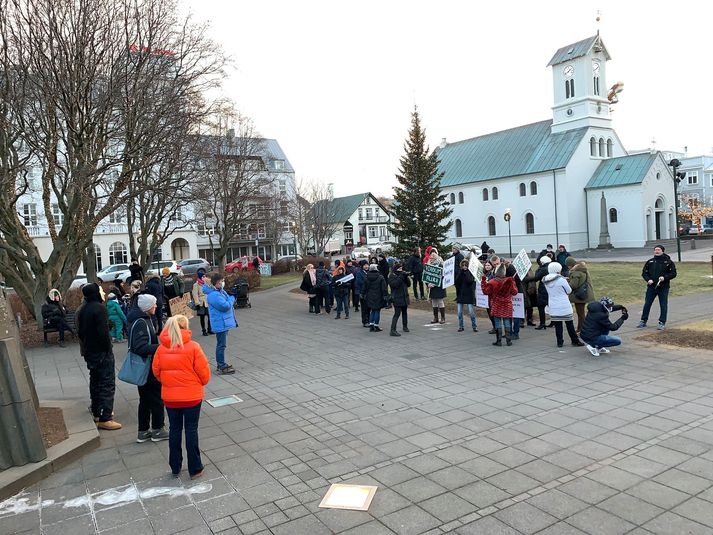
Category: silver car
<point>192,265</point>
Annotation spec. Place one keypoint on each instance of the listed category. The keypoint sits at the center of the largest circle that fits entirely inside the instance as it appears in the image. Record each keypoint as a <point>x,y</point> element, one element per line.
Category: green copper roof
<point>622,171</point>
<point>343,207</point>
<point>578,49</point>
<point>528,149</point>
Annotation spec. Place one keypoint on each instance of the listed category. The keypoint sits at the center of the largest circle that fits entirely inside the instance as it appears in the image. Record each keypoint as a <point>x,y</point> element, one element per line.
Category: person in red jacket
<point>500,289</point>
<point>182,368</point>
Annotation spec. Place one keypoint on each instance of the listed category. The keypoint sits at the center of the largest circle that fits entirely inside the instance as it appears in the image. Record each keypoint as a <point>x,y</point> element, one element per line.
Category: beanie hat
<point>112,295</point>
<point>570,261</point>
<point>166,271</point>
<point>146,302</point>
<point>545,260</point>
<point>554,268</point>
<point>660,247</point>
<point>607,302</point>
<point>373,267</point>
<point>397,266</point>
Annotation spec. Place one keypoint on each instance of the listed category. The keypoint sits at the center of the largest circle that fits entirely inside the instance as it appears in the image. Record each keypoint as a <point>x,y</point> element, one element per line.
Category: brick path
<point>459,436</point>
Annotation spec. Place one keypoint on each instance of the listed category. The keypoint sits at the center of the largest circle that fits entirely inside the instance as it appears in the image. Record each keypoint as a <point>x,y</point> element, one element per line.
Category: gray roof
<point>622,171</point>
<point>578,49</point>
<point>343,207</point>
<point>528,149</point>
<point>270,150</point>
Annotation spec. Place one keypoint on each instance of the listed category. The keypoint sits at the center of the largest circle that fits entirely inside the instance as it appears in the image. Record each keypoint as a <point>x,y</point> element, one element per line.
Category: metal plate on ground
<point>412,356</point>
<point>353,497</point>
<point>225,400</point>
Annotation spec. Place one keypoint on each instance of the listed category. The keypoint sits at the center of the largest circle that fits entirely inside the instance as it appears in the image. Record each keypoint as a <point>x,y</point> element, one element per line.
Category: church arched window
<point>523,189</point>
<point>459,229</point>
<point>485,194</point>
<point>601,147</point>
<point>610,148</point>
<point>566,89</point>
<point>495,194</point>
<point>453,198</point>
<point>596,85</point>
<point>491,226</point>
<point>529,223</point>
<point>460,197</point>
<point>533,188</point>
<point>613,215</point>
<point>592,146</point>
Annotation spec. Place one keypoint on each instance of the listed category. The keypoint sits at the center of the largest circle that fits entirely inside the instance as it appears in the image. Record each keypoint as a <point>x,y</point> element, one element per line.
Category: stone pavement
<point>459,436</point>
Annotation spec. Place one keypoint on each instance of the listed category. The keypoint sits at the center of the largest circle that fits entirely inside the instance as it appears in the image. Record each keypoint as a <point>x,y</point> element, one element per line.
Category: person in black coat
<point>155,288</point>
<point>465,294</point>
<point>308,285</point>
<point>414,266</point>
<point>93,332</point>
<point>322,281</point>
<point>383,266</point>
<point>137,272</point>
<point>399,283</point>
<point>144,342</point>
<point>341,293</point>
<point>457,254</point>
<point>375,294</point>
<point>658,272</point>
<point>54,314</point>
<point>542,296</point>
<point>596,326</point>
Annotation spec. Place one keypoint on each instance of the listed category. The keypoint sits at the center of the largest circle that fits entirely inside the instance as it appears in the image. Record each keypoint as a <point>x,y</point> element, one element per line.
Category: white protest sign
<point>518,306</point>
<point>449,267</point>
<point>522,264</point>
<point>475,267</point>
<point>481,300</point>
<point>346,278</point>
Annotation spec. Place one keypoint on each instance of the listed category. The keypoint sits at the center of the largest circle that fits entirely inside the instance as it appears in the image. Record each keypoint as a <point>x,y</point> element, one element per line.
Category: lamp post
<point>677,177</point>
<point>294,235</point>
<point>507,219</point>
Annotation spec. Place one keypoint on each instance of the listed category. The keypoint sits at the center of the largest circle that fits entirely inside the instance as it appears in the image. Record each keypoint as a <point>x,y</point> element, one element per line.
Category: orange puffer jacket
<point>182,371</point>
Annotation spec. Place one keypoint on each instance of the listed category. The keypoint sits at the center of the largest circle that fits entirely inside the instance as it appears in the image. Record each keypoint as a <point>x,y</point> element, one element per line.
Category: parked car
<point>290,258</point>
<point>114,272</point>
<point>192,265</point>
<point>79,281</point>
<point>360,252</point>
<point>244,262</point>
<point>156,267</point>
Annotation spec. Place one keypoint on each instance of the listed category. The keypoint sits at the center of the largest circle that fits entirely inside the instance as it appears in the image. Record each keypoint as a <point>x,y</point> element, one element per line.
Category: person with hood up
<point>54,314</point>
<point>359,281</point>
<point>153,287</point>
<point>658,273</point>
<point>93,332</point>
<point>383,266</point>
<point>200,301</point>
<point>484,248</point>
<point>322,281</point>
<point>596,328</point>
<point>582,289</point>
<point>427,255</point>
<point>144,342</point>
<point>172,287</point>
<point>465,295</point>
<point>415,267</point>
<point>309,281</point>
<point>558,290</point>
<point>182,368</point>
<point>341,293</point>
<point>437,294</point>
<point>375,295</point>
<point>222,318</point>
<point>500,290</point>
<point>137,272</point>
<point>399,283</point>
<point>117,318</point>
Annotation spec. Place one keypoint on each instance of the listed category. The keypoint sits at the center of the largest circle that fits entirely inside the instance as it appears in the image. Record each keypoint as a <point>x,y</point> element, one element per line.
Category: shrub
<point>252,276</point>
<point>283,266</point>
<point>314,260</point>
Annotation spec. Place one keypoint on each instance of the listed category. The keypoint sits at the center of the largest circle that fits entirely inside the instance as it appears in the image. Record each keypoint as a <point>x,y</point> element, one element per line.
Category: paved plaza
<point>458,435</point>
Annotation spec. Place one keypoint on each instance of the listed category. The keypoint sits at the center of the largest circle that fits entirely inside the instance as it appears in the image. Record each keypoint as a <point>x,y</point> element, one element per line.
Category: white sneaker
<point>593,350</point>
<point>604,350</point>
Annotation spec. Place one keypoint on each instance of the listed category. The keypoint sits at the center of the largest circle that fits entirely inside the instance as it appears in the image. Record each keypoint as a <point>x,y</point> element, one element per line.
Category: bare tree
<point>323,216</point>
<point>88,89</point>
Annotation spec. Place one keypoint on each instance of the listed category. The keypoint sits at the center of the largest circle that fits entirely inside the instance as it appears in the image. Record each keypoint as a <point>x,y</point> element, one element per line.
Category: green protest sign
<point>432,274</point>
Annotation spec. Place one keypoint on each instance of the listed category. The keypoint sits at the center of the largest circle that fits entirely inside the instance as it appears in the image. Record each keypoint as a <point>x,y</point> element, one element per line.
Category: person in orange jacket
<point>182,368</point>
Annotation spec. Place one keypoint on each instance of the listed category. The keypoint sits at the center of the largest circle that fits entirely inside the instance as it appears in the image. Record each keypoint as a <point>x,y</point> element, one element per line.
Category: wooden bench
<point>70,318</point>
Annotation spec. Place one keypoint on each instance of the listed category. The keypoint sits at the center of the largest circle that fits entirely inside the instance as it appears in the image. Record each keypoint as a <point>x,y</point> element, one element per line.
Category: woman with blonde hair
<point>309,285</point>
<point>182,368</point>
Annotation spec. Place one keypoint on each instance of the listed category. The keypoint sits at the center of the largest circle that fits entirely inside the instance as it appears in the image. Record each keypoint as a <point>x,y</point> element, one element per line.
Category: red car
<point>244,262</point>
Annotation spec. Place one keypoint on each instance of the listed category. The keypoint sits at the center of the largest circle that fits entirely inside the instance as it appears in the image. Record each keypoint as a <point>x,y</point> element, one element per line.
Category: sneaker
<point>62,344</point>
<point>577,343</point>
<point>492,331</point>
<point>377,329</point>
<point>157,435</point>
<point>461,329</point>
<point>560,344</point>
<point>109,425</point>
<point>365,325</point>
<point>226,370</point>
<point>604,350</point>
<point>641,325</point>
<point>593,350</point>
<point>475,329</point>
<point>346,317</point>
<point>661,326</point>
<point>143,436</point>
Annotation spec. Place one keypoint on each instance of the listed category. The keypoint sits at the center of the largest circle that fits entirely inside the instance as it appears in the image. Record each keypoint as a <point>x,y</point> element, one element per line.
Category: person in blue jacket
<point>222,318</point>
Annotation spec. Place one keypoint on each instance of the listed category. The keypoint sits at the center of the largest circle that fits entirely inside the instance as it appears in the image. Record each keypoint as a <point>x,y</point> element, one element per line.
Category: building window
<point>610,148</point>
<point>98,256</point>
<point>459,229</point>
<point>377,212</point>
<point>491,226</point>
<point>116,217</point>
<point>29,214</point>
<point>453,198</point>
<point>372,232</point>
<point>495,194</point>
<point>613,215</point>
<point>382,233</point>
<point>205,230</point>
<point>529,223</point>
<point>368,214</point>
<point>460,197</point>
<point>710,180</point>
<point>349,235</point>
<point>117,253</point>
<point>692,179</point>
<point>523,189</point>
<point>361,216</point>
<point>533,188</point>
<point>485,194</point>
<point>592,146</point>
<point>601,147</point>
<point>261,231</point>
<point>596,85</point>
<point>57,215</point>
<point>279,165</point>
<point>178,215</point>
<point>569,88</point>
<point>284,207</point>
<point>283,186</point>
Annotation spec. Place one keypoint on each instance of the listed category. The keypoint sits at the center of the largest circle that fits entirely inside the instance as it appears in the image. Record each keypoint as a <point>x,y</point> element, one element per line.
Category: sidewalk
<point>702,253</point>
<point>458,435</point>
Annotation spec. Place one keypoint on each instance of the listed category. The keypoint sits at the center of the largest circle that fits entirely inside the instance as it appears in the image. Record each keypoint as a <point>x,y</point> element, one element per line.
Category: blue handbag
<point>135,369</point>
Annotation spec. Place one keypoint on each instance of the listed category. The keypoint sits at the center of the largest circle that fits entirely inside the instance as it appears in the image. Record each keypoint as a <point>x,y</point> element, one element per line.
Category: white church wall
<point>628,229</point>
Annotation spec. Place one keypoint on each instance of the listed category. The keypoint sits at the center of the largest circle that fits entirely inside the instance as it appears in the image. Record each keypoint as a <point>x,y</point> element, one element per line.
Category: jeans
<point>221,342</point>
<point>179,418</point>
<point>651,293</point>
<point>516,325</point>
<point>606,341</point>
<point>150,404</point>
<point>399,312</point>
<point>374,316</point>
<point>505,322</point>
<point>342,304</point>
<point>471,313</point>
<point>102,384</point>
<point>417,278</point>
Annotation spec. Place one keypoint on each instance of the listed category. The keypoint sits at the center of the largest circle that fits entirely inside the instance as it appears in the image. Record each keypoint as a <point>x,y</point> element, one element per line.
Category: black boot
<point>435,315</point>
<point>508,338</point>
<point>443,315</point>
<point>394,333</point>
<point>541,327</point>
<point>499,339</point>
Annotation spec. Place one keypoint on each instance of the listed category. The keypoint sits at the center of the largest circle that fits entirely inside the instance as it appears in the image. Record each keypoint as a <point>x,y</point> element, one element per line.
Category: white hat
<point>554,267</point>
<point>146,302</point>
<point>545,260</point>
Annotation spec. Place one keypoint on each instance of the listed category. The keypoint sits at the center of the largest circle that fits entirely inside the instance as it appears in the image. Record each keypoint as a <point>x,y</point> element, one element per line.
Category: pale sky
<point>335,82</point>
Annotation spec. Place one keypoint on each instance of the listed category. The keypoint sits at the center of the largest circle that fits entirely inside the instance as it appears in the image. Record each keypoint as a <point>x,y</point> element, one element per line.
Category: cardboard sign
<point>522,264</point>
<point>518,306</point>
<point>449,277</point>
<point>179,305</point>
<point>481,300</point>
<point>475,267</point>
<point>432,274</point>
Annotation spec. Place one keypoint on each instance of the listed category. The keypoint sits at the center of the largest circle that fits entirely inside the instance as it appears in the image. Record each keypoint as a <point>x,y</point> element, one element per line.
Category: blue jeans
<point>221,340</point>
<point>343,304</point>
<point>651,293</point>
<point>178,419</point>
<point>506,323</point>
<point>471,313</point>
<point>374,316</point>
<point>516,326</point>
<point>606,341</point>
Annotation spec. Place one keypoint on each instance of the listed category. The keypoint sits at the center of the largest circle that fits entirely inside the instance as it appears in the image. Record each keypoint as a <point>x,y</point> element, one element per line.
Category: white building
<point>551,175</point>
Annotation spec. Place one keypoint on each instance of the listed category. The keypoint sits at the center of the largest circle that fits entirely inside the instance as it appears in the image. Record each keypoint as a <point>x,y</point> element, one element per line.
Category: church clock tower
<point>580,86</point>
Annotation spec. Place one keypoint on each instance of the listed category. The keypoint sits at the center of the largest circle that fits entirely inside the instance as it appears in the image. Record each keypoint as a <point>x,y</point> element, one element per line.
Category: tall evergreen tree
<point>421,210</point>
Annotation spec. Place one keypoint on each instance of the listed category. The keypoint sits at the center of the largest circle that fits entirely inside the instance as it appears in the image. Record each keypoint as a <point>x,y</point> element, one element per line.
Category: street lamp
<point>507,219</point>
<point>677,177</point>
<point>293,224</point>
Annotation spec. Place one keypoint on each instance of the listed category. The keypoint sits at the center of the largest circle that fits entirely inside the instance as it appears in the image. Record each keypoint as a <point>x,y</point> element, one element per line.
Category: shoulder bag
<point>135,369</point>
<point>582,290</point>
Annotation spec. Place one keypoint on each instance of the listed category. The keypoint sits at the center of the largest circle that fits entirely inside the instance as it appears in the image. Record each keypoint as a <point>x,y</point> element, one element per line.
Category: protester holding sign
<point>341,292</point>
<point>510,271</point>
<point>465,294</point>
<point>489,273</point>
<point>500,289</point>
<point>399,283</point>
<point>436,293</point>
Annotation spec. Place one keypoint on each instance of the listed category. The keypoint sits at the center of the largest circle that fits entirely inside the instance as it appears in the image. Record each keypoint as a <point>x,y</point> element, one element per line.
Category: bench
<point>70,318</point>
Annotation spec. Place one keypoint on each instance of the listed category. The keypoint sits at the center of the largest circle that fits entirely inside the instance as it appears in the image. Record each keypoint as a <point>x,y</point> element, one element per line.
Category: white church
<point>565,180</point>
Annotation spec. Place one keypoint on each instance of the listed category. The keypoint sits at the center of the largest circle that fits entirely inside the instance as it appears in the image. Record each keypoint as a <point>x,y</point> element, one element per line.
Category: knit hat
<point>570,261</point>
<point>607,302</point>
<point>112,295</point>
<point>166,271</point>
<point>660,247</point>
<point>554,267</point>
<point>545,260</point>
<point>146,302</point>
<point>373,267</point>
<point>397,266</point>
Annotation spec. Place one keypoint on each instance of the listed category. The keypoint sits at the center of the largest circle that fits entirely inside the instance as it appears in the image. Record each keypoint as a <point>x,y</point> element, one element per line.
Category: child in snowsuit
<point>116,317</point>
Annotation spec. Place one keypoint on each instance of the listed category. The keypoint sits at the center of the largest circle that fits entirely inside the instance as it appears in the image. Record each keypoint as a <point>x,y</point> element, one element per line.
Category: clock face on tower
<point>568,71</point>
<point>595,69</point>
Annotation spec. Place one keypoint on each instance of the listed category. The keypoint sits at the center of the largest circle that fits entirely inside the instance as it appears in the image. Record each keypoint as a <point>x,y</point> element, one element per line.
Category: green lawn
<point>278,280</point>
<point>622,280</point>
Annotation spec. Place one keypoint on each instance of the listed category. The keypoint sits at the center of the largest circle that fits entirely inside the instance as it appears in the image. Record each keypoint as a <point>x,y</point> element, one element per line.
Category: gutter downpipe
<point>586,214</point>
<point>557,229</point>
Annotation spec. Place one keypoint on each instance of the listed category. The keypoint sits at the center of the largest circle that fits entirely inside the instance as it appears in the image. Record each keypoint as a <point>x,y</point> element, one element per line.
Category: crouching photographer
<point>596,327</point>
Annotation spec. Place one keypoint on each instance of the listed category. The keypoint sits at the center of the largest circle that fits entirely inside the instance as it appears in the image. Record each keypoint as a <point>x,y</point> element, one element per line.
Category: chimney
<point>330,191</point>
<point>443,143</point>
